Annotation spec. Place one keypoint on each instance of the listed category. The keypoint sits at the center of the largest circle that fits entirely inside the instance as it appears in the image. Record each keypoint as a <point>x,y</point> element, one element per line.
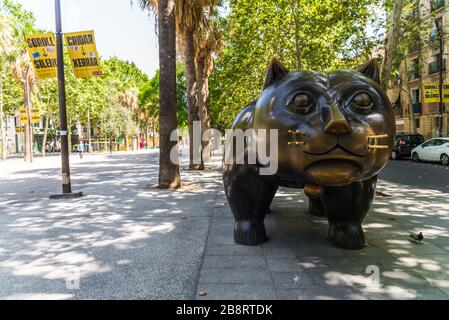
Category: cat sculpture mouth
<point>337,148</point>
<point>334,171</point>
<point>336,167</point>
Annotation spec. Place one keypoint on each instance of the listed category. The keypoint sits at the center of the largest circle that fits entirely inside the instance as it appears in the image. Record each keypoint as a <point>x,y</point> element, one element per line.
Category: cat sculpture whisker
<point>299,133</point>
<point>372,142</point>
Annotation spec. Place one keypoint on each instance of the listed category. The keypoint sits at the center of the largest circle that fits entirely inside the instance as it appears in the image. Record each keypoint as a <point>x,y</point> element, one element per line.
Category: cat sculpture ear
<point>275,72</point>
<point>371,70</point>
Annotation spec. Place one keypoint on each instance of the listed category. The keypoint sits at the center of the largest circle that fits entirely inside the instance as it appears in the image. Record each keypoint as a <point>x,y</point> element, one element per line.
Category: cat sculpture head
<point>333,129</point>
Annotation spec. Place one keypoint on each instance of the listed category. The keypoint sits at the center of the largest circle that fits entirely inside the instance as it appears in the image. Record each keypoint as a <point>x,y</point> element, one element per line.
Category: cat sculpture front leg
<point>249,196</point>
<point>346,207</point>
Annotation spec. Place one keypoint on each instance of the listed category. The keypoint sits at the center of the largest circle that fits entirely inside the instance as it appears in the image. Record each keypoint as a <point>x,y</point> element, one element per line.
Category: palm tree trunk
<point>192,101</point>
<point>28,128</point>
<point>147,138</point>
<point>44,139</point>
<point>153,128</point>
<point>169,177</point>
<point>4,145</point>
<point>203,89</point>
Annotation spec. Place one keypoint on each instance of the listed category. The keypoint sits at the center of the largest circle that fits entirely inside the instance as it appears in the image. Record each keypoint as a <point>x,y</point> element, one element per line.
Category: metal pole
<point>441,108</point>
<point>28,106</point>
<point>66,183</point>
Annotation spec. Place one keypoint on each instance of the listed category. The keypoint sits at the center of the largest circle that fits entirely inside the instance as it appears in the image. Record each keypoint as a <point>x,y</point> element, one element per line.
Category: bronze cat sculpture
<point>335,134</point>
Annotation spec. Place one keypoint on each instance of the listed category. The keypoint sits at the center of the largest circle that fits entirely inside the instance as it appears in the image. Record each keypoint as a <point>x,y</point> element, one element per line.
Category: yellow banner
<point>20,130</point>
<point>83,54</point>
<point>35,116</point>
<point>431,93</point>
<point>42,51</point>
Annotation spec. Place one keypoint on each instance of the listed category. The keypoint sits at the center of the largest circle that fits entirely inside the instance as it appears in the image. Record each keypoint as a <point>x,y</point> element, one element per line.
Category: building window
<point>437,123</point>
<point>417,123</point>
<point>434,66</point>
<point>415,69</point>
<point>415,95</point>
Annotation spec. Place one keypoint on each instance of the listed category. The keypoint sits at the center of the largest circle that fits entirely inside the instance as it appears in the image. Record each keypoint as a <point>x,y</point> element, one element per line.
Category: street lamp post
<point>440,62</point>
<point>66,180</point>
<point>440,33</point>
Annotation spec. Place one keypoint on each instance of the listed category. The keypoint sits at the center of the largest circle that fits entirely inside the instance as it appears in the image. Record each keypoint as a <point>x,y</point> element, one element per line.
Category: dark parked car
<point>404,145</point>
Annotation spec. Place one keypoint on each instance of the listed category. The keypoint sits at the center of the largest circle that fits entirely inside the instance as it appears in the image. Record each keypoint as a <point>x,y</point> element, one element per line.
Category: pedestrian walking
<point>81,149</point>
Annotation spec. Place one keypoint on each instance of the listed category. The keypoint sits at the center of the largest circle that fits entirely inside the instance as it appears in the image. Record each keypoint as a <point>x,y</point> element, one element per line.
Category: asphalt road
<point>431,176</point>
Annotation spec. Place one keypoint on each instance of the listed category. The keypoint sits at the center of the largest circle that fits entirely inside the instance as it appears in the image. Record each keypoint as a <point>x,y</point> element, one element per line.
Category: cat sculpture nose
<point>334,121</point>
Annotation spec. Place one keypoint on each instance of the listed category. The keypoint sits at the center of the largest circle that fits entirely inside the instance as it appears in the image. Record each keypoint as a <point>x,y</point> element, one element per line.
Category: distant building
<point>421,66</point>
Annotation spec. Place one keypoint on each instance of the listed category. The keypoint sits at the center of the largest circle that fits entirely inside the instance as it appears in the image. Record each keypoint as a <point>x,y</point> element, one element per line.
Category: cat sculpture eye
<point>362,102</point>
<point>302,103</point>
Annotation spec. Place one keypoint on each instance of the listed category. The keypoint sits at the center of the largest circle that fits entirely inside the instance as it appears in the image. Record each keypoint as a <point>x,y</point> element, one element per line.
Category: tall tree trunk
<point>169,177</point>
<point>203,97</point>
<point>44,139</point>
<point>154,132</point>
<point>28,127</point>
<point>89,137</point>
<point>391,42</point>
<point>126,143</point>
<point>69,137</point>
<point>192,101</point>
<point>139,137</point>
<point>410,102</point>
<point>295,6</point>
<point>147,137</point>
<point>4,145</point>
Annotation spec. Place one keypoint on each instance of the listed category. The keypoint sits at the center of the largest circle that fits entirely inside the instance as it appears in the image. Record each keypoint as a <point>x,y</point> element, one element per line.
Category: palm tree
<point>24,74</point>
<point>169,177</point>
<point>208,40</point>
<point>189,17</point>
<point>128,99</point>
<point>6,60</point>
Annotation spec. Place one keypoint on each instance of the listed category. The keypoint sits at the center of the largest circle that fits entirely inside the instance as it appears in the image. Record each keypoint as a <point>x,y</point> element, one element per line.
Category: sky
<point>121,29</point>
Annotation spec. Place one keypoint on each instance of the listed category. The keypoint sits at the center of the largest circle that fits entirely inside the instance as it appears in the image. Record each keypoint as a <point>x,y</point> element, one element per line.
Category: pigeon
<point>417,238</point>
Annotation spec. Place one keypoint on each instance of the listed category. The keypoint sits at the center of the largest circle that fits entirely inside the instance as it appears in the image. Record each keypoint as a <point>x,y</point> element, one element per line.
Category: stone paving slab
<point>234,275</point>
<point>241,291</point>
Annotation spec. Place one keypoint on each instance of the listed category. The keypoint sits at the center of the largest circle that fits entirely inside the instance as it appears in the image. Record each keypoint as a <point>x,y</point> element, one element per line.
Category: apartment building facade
<point>422,66</point>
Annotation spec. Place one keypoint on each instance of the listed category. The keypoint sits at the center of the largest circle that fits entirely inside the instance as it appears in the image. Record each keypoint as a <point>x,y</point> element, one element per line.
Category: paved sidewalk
<point>299,263</point>
<point>125,241</point>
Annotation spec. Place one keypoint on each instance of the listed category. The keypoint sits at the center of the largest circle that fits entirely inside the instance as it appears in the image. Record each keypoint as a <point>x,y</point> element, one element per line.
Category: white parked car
<point>435,150</point>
